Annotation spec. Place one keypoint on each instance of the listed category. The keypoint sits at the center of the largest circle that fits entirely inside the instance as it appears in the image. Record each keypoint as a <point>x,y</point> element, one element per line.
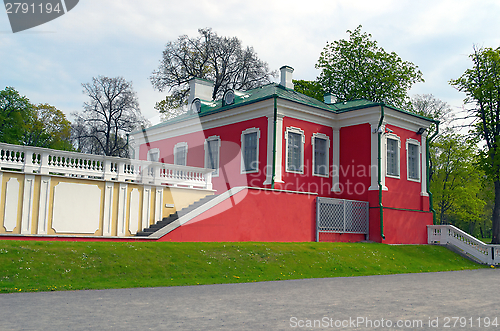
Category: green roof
<point>270,91</point>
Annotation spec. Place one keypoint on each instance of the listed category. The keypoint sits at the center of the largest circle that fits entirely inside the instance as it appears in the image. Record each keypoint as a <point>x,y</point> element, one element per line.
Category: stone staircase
<point>172,217</point>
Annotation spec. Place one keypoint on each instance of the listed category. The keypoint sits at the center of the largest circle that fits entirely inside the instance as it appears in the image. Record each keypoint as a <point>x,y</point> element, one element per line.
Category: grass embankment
<point>42,266</point>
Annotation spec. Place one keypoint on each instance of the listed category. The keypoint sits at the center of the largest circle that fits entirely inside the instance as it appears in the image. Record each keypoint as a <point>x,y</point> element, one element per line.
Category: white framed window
<point>154,155</point>
<point>321,150</point>
<point>212,154</point>
<point>393,145</point>
<point>295,140</point>
<point>180,153</point>
<point>250,150</point>
<point>413,160</point>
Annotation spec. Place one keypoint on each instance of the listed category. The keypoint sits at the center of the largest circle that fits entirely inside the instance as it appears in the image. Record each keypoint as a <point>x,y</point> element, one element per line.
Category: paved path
<point>281,305</point>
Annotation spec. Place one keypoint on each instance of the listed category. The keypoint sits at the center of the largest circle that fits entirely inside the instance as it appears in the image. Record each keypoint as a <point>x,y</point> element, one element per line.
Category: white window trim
<point>325,137</point>
<point>205,145</point>
<point>419,172</point>
<point>151,151</point>
<point>178,145</point>
<point>301,132</point>
<point>398,157</point>
<point>247,131</point>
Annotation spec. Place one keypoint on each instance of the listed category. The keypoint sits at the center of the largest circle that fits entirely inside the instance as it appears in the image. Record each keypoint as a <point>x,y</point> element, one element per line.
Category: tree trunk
<point>495,231</point>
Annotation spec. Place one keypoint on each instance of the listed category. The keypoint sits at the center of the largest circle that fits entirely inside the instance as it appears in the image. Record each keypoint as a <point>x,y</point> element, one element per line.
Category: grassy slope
<point>42,266</point>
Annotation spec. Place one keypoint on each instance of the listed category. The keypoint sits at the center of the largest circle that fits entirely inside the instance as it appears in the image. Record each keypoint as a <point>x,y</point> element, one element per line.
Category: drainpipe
<point>274,141</point>
<point>428,154</point>
<point>380,206</point>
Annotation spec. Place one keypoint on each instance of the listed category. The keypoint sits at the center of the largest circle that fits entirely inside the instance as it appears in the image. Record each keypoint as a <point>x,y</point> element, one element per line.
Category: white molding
<point>299,131</point>
<point>82,202</point>
<point>324,137</point>
<point>11,204</point>
<point>178,145</point>
<point>146,207</point>
<point>134,212</point>
<point>242,160</point>
<point>411,141</point>
<point>215,173</point>
<point>108,208</point>
<point>269,152</point>
<point>43,206</point>
<point>122,210</point>
<point>398,157</point>
<point>27,213</point>
<point>152,151</point>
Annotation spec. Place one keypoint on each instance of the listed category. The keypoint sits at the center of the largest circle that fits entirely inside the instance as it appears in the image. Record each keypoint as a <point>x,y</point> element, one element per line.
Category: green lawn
<point>42,266</point>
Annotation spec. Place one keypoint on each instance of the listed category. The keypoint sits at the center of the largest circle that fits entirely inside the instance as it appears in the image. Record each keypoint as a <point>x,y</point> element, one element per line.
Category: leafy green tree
<point>309,88</point>
<point>47,127</point>
<point>15,111</point>
<point>481,84</point>
<point>457,182</point>
<point>222,60</point>
<point>359,69</point>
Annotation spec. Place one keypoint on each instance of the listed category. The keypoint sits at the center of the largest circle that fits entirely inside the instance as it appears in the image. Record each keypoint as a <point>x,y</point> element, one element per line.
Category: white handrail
<point>448,234</point>
<point>29,159</point>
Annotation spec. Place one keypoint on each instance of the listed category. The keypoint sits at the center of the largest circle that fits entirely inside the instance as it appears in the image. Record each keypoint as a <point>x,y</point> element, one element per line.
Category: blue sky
<point>125,38</point>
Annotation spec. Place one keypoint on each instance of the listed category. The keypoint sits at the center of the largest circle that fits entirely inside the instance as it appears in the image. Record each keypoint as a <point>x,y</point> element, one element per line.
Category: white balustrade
<point>36,160</point>
<point>448,234</point>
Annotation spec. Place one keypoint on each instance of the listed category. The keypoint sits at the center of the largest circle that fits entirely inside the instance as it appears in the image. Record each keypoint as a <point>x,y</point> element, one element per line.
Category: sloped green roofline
<point>281,92</point>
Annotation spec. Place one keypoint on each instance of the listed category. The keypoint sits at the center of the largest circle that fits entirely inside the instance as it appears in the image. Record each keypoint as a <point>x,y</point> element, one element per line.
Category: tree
<point>310,88</point>
<point>111,113</point>
<point>47,127</point>
<point>429,106</point>
<point>222,60</point>
<point>14,113</point>
<point>359,69</point>
<point>457,182</point>
<point>481,84</point>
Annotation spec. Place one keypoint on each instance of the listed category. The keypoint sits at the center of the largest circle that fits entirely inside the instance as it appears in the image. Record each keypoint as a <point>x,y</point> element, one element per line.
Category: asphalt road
<point>461,300</point>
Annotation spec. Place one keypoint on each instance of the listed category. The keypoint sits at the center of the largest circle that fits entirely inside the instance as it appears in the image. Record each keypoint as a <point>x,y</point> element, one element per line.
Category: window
<point>180,153</point>
<point>153,155</point>
<point>413,155</point>
<point>295,150</point>
<point>321,147</point>
<point>393,145</point>
<point>212,154</point>
<point>250,150</point>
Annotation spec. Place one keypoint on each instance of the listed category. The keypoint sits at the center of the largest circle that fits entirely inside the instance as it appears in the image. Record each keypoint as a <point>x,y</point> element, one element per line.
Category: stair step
<point>172,217</point>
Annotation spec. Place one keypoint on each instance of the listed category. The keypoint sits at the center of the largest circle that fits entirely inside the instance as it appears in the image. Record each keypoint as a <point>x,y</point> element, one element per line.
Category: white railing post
<point>107,169</point>
<point>208,180</point>
<point>28,160</point>
<point>44,162</point>
<point>156,173</point>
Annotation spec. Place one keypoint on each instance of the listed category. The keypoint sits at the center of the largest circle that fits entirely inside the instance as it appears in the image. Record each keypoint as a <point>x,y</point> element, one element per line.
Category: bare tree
<point>111,113</point>
<point>222,60</point>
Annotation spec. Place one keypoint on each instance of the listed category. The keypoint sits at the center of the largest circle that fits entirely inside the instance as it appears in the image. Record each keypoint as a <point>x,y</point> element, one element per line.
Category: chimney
<point>286,77</point>
<point>329,98</point>
<point>200,88</point>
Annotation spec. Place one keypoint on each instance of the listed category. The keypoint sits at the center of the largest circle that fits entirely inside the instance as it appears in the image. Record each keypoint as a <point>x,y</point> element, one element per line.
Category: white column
<point>43,207</point>
<point>27,213</point>
<point>122,210</point>
<point>146,206</point>
<point>158,204</point>
<point>336,161</point>
<point>423,165</point>
<point>374,157</point>
<point>108,208</point>
<point>270,146</point>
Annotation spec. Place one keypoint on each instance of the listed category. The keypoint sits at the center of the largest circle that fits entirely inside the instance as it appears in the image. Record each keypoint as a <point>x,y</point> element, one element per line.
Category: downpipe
<point>379,181</point>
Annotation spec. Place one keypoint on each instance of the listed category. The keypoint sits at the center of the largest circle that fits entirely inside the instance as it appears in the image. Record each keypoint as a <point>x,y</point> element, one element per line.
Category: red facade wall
<point>230,153</point>
<point>403,193</point>
<point>355,160</point>
<point>258,215</point>
<point>306,182</point>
